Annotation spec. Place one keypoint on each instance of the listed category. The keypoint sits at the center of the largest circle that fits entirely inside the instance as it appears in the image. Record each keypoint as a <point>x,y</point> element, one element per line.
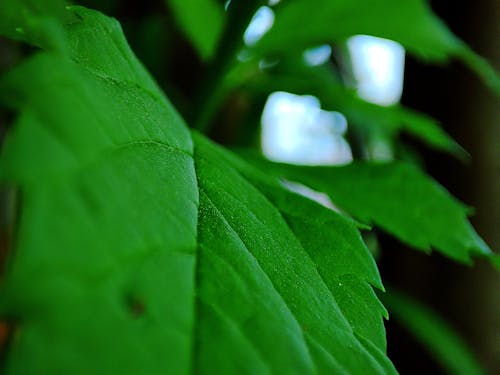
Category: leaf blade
<point>397,197</point>
<point>289,268</point>
<point>85,276</point>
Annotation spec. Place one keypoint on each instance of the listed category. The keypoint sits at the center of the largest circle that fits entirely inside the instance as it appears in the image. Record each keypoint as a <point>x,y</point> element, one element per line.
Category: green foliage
<point>143,247</point>
<point>93,175</point>
<point>409,22</point>
<point>397,197</point>
<point>202,21</point>
<point>428,37</point>
<point>266,270</point>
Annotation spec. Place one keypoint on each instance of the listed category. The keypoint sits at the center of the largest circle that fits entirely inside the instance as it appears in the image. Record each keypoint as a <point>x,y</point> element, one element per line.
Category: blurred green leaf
<point>144,248</point>
<point>300,24</point>
<point>202,21</point>
<point>35,21</point>
<point>395,196</point>
<point>496,261</point>
<point>96,150</point>
<point>441,341</point>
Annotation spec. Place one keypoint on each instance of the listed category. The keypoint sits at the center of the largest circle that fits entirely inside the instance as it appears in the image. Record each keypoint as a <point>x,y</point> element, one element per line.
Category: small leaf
<point>436,335</point>
<point>396,197</point>
<point>202,21</point>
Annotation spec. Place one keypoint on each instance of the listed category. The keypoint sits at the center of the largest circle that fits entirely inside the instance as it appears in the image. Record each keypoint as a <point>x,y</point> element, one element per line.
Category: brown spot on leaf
<point>136,306</point>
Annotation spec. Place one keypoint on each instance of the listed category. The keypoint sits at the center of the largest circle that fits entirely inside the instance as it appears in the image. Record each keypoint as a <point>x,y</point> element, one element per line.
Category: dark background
<point>469,298</point>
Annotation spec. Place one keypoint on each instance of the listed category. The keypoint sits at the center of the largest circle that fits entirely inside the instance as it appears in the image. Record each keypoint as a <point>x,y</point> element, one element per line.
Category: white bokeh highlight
<point>261,22</point>
<point>378,68</point>
<point>296,130</point>
<point>318,55</point>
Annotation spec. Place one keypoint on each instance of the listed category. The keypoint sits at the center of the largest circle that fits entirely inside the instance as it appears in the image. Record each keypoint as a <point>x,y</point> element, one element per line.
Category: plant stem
<point>211,92</point>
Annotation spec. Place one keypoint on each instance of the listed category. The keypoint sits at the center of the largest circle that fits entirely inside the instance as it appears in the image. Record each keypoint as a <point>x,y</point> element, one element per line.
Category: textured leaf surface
<point>142,248</point>
<point>278,261</point>
<point>201,20</point>
<point>398,198</point>
<point>443,343</point>
<point>409,22</point>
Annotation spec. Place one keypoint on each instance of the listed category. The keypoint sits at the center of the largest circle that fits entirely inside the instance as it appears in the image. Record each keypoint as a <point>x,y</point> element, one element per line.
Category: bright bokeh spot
<point>318,55</point>
<point>307,192</point>
<point>261,22</point>
<point>296,130</point>
<point>378,68</point>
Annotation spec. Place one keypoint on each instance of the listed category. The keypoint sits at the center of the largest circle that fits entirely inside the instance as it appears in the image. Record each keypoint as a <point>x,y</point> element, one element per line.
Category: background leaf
<point>397,197</point>
<point>409,22</point>
<point>202,21</point>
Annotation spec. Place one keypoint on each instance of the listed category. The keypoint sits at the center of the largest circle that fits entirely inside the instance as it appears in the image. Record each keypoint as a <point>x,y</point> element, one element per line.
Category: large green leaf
<point>396,196</point>
<point>441,341</point>
<point>142,248</point>
<point>409,22</point>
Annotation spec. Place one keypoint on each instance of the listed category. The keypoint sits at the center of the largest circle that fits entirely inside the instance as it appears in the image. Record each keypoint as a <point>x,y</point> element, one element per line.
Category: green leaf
<point>396,197</point>
<point>271,241</point>
<point>436,335</point>
<point>409,22</point>
<point>496,261</point>
<point>144,248</point>
<point>202,21</point>
<point>92,149</point>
